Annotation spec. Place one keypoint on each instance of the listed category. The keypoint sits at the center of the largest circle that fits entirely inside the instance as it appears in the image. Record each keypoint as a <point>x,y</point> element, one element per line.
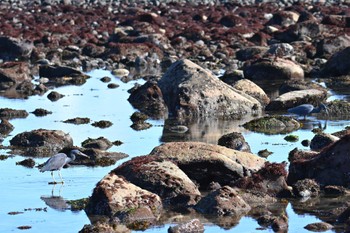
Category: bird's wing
<point>54,163</point>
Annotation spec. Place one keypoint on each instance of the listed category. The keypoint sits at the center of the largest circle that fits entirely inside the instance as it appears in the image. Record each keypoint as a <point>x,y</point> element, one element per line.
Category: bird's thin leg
<point>54,181</point>
<point>59,173</point>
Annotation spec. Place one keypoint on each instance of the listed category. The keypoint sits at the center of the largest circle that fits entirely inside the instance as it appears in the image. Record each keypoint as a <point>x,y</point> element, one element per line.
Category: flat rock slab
<point>295,98</point>
<point>207,163</point>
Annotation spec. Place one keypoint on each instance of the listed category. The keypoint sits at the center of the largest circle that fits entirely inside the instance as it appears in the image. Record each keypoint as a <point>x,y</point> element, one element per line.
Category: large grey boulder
<point>206,163</point>
<point>190,91</point>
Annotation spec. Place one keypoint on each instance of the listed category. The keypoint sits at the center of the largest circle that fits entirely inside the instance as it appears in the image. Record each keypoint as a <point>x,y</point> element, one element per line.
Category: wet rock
<point>41,112</point>
<point>194,225</point>
<point>207,163</point>
<point>298,85</point>
<point>321,140</point>
<point>306,188</point>
<point>138,120</point>
<point>190,91</point>
<point>42,142</point>
<point>13,73</point>
<point>253,90</point>
<point>54,96</point>
<point>100,143</point>
<point>338,64</point>
<point>104,227</point>
<point>251,52</point>
<point>271,70</point>
<point>112,85</point>
<point>264,153</point>
<point>333,190</point>
<point>295,98</point>
<point>114,197</point>
<point>223,202</point>
<point>96,157</point>
<point>106,79</point>
<point>5,127</point>
<point>234,141</point>
<point>297,154</point>
<point>270,179</point>
<point>102,124</point>
<point>49,71</point>
<point>13,48</point>
<point>179,128</point>
<point>328,168</point>
<point>9,113</point>
<point>291,138</point>
<point>319,226</point>
<point>338,108</point>
<point>161,177</point>
<point>272,125</point>
<point>78,120</point>
<point>30,163</point>
<point>149,99</point>
<point>305,142</point>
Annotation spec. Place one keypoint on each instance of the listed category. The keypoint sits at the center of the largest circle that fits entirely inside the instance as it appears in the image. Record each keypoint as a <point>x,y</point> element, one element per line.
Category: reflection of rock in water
<point>56,202</point>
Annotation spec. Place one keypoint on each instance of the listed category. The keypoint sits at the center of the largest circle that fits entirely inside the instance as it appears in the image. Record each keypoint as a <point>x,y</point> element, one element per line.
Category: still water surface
<point>40,205</point>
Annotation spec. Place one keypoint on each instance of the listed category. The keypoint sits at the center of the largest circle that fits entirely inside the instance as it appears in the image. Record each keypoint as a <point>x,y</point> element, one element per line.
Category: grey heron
<point>305,109</point>
<point>57,161</point>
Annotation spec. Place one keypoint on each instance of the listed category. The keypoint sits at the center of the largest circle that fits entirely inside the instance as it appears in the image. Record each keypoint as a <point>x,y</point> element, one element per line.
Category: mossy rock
<point>291,138</point>
<point>273,125</point>
<point>339,108</point>
<point>79,204</point>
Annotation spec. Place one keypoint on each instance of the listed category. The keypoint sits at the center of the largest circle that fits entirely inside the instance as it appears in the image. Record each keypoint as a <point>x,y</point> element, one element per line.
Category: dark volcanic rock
<point>13,48</point>
<point>223,202</point>
<point>102,124</point>
<point>13,73</point>
<point>5,127</point>
<point>54,96</point>
<point>42,142</point>
<point>328,168</point>
<point>270,179</point>
<point>338,64</point>
<point>234,141</point>
<point>161,177</point>
<point>149,99</point>
<point>41,112</point>
<point>78,120</point>
<point>30,163</point>
<point>100,143</point>
<point>306,188</point>
<point>321,140</point>
<point>9,113</point>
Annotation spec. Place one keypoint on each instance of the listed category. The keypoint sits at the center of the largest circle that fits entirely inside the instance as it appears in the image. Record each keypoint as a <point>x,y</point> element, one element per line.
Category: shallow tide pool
<point>28,200</point>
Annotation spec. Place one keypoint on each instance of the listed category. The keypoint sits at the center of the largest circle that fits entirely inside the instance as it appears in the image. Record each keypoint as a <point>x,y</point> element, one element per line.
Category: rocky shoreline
<point>181,49</point>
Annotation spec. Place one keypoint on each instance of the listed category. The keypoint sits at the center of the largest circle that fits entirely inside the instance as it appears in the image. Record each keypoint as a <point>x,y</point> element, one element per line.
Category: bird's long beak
<point>83,155</point>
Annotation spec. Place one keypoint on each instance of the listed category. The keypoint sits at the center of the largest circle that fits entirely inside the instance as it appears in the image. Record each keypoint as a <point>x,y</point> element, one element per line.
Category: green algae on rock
<point>273,125</point>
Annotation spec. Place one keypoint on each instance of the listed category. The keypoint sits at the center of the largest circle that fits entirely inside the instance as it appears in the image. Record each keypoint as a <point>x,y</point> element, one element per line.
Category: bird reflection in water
<point>56,202</point>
